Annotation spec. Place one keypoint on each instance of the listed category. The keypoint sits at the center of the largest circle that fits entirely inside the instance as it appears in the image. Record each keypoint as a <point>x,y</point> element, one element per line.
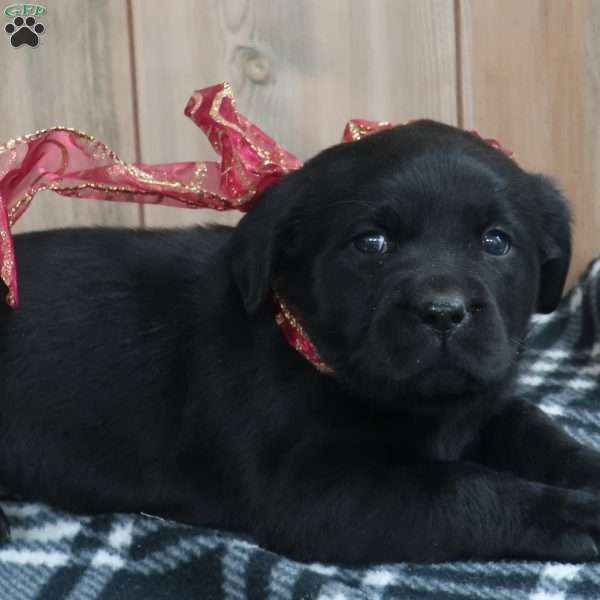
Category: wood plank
<point>176,51</point>
<point>530,73</point>
<point>79,76</point>
<point>327,62</point>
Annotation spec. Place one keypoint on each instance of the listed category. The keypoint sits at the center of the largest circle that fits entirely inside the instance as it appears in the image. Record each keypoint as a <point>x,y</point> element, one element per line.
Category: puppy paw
<point>564,525</point>
<point>583,471</point>
<point>576,547</point>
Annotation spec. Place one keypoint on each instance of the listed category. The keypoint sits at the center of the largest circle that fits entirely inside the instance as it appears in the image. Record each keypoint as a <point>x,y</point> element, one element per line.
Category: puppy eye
<point>371,243</point>
<point>495,242</point>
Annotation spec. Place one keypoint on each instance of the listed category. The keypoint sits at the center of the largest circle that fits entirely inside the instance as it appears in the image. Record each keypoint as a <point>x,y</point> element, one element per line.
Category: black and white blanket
<point>58,555</point>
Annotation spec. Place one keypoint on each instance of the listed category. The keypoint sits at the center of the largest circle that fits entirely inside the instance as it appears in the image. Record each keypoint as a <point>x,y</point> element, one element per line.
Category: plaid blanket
<point>58,555</point>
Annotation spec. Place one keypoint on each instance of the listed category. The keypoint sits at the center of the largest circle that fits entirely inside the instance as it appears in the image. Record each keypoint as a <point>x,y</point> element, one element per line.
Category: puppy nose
<point>443,313</point>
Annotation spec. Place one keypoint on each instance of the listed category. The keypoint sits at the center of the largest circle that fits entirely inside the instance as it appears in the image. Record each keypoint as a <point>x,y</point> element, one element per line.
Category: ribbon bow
<point>72,163</point>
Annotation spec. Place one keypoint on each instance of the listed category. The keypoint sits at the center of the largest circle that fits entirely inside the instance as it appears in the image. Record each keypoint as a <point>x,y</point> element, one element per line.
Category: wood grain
<point>176,51</point>
<point>79,76</point>
<point>528,74</point>
<point>530,77</point>
<point>327,62</point>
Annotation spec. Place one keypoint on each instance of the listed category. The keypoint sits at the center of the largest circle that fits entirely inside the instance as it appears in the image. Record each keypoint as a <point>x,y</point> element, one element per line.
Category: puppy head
<point>414,258</point>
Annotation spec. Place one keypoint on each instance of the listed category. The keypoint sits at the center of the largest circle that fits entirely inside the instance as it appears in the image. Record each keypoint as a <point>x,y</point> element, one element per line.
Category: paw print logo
<point>24,32</point>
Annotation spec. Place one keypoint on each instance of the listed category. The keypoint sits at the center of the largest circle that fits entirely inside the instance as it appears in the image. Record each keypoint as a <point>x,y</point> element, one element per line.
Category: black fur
<point>144,370</point>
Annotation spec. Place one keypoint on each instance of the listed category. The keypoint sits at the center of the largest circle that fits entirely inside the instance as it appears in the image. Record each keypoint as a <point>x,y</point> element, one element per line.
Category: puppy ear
<point>555,246</point>
<point>258,242</point>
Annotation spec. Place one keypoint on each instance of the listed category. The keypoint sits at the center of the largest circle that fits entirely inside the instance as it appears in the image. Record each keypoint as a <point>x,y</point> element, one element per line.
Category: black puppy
<point>145,371</point>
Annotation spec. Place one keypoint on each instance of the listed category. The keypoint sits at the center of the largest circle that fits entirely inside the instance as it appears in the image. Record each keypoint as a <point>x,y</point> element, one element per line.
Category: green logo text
<point>25,10</point>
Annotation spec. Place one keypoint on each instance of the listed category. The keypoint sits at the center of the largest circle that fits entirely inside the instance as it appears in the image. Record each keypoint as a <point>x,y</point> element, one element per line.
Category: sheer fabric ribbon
<point>72,163</point>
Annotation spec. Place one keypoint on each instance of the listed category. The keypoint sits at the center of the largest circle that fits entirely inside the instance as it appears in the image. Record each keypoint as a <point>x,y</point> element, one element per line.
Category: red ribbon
<point>72,163</point>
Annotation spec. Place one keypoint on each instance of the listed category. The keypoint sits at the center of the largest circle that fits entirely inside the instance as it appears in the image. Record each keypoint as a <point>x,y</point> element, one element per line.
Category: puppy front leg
<point>337,504</point>
<point>522,439</point>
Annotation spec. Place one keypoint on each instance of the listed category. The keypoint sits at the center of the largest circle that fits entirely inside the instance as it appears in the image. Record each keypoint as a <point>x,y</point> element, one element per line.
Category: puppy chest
<point>421,441</point>
<point>449,442</point>
<point>427,441</point>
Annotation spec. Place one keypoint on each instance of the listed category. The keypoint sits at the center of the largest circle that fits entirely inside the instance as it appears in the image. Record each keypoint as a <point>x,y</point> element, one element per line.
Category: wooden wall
<point>527,73</point>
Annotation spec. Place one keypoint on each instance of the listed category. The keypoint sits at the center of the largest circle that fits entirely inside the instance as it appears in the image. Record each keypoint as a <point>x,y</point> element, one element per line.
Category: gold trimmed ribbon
<point>75,164</point>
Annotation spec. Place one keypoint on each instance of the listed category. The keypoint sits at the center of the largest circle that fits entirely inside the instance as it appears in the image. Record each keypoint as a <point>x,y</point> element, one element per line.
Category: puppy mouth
<point>408,356</point>
<point>445,369</point>
<point>444,380</point>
